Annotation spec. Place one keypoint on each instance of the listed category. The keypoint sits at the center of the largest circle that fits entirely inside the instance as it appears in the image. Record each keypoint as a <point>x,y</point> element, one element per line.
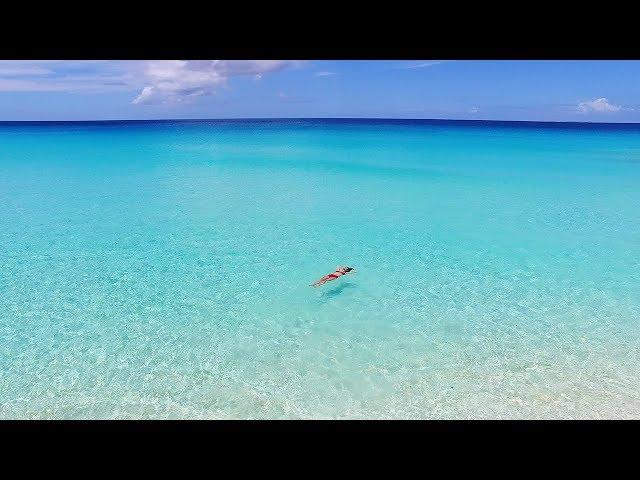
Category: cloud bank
<point>155,82</point>
<point>180,80</point>
<point>65,76</point>
<point>599,105</point>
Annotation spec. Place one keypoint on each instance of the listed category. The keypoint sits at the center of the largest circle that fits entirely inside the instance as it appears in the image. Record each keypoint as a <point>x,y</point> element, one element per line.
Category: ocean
<point>161,269</point>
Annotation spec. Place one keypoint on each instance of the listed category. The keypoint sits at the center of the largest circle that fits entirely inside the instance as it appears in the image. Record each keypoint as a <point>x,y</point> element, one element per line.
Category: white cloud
<point>179,80</point>
<point>598,105</point>
<point>146,93</point>
<point>324,74</point>
<point>420,65</point>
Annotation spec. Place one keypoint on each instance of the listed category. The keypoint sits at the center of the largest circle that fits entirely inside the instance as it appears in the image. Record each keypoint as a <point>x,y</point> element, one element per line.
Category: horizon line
<point>317,118</point>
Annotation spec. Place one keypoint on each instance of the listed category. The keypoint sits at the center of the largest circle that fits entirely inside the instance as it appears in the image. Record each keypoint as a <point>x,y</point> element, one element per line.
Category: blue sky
<point>588,91</point>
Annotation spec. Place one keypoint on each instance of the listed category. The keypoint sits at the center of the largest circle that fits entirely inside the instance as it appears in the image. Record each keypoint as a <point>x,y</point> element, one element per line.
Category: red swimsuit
<point>333,275</point>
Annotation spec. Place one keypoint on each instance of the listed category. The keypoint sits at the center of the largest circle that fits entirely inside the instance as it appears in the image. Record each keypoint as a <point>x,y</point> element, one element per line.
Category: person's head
<point>347,269</point>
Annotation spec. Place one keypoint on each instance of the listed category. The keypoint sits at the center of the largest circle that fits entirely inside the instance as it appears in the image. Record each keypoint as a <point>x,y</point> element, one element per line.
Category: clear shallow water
<point>161,270</point>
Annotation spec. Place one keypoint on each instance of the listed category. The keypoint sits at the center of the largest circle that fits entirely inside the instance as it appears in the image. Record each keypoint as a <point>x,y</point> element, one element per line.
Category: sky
<point>557,90</point>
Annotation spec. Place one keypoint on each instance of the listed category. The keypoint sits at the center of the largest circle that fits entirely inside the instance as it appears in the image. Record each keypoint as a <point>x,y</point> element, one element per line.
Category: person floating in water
<point>340,271</point>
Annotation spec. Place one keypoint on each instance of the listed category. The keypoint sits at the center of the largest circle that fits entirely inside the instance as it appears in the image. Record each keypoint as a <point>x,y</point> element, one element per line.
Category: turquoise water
<point>161,270</point>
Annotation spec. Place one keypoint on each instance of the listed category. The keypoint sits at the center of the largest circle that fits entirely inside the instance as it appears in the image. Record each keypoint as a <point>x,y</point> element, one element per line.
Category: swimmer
<point>340,271</point>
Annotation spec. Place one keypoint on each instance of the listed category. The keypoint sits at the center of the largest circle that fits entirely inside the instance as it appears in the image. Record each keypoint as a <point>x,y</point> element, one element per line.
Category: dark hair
<point>348,269</point>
